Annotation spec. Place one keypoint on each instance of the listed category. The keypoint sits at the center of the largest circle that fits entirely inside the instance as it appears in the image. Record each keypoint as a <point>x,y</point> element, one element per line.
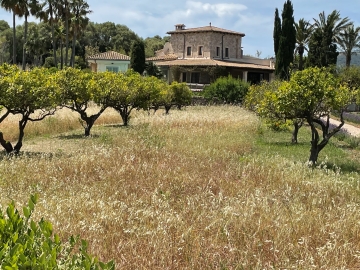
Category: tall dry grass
<point>187,191</point>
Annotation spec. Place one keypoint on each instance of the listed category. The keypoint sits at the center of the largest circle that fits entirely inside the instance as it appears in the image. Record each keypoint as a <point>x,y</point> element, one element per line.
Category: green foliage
<point>49,62</point>
<point>310,95</point>
<point>152,44</point>
<point>322,51</point>
<point>129,92</point>
<point>153,70</point>
<point>350,76</point>
<point>287,41</point>
<point>137,61</point>
<point>277,31</point>
<point>79,89</point>
<point>181,94</point>
<point>26,244</point>
<point>227,89</point>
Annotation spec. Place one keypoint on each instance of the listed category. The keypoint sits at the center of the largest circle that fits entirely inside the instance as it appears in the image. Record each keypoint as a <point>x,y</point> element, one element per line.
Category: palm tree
<point>27,8</point>
<point>303,34</point>
<point>47,14</point>
<point>332,24</point>
<point>326,34</point>
<point>349,40</point>
<point>79,10</point>
<point>12,6</point>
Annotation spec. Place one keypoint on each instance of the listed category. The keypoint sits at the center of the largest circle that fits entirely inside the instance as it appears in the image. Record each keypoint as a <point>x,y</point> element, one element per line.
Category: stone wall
<point>209,41</point>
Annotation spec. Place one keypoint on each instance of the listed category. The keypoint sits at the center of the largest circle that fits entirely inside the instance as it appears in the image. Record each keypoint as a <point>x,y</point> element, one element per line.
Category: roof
<point>110,55</point>
<point>163,57</point>
<point>206,29</point>
<point>212,62</point>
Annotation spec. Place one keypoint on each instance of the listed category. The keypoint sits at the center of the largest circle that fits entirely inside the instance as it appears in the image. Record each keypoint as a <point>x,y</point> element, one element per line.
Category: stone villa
<point>196,55</point>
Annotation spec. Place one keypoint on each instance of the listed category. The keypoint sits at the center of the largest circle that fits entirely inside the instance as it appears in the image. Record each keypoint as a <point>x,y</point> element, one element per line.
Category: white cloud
<point>222,9</point>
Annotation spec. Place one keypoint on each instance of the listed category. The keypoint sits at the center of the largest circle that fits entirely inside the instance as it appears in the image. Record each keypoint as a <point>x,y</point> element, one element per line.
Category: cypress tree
<point>277,31</point>
<point>137,61</point>
<point>285,54</point>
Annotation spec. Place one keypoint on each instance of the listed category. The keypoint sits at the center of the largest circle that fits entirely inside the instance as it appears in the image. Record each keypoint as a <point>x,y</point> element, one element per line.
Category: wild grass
<point>200,188</point>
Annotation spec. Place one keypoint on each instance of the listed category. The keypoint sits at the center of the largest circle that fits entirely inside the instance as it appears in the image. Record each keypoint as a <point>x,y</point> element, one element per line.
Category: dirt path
<point>349,129</point>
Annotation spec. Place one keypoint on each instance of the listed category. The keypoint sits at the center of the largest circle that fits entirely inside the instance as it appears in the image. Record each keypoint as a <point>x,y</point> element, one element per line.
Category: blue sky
<point>255,18</point>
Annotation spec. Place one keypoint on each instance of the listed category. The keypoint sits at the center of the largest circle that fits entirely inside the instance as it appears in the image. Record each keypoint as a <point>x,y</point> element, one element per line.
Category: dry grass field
<point>189,190</point>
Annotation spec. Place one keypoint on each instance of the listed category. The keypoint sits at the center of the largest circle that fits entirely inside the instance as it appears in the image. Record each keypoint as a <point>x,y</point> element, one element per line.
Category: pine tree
<point>285,54</point>
<point>137,55</point>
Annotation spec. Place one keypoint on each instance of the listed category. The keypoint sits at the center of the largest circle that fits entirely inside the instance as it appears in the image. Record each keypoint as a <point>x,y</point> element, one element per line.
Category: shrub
<point>227,89</point>
<point>25,244</point>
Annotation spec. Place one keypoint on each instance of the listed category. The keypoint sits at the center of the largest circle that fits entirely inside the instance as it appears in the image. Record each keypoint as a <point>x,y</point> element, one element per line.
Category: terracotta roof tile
<point>206,29</point>
<point>110,55</point>
<point>163,57</point>
<point>212,62</point>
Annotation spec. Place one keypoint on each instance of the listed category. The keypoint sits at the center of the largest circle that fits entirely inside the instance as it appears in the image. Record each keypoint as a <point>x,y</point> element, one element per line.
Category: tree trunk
<point>61,55</point>
<point>24,46</point>
<point>348,59</point>
<point>90,121</point>
<point>72,60</point>
<point>14,38</point>
<point>301,60</point>
<point>297,126</point>
<point>167,109</point>
<point>314,153</point>
<point>124,113</point>
<point>22,125</point>
<point>67,33</point>
<point>88,127</point>
<point>7,145</point>
<point>53,35</point>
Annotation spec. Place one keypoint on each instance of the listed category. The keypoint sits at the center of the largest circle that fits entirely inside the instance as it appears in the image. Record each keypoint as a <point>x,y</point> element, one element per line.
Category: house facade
<point>109,61</point>
<point>199,55</point>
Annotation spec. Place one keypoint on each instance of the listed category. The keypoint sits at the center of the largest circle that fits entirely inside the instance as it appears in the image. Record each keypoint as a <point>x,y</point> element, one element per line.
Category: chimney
<point>180,26</point>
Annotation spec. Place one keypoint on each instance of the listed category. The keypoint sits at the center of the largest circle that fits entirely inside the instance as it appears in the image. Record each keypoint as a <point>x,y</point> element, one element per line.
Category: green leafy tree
<point>153,44</point>
<point>79,90</point>
<point>153,89</point>
<point>277,31</point>
<point>128,94</point>
<point>32,95</point>
<point>349,40</point>
<point>285,54</point>
<point>227,89</point>
<point>263,99</point>
<point>312,94</point>
<point>137,62</point>
<point>153,70</point>
<point>181,94</point>
<point>350,76</point>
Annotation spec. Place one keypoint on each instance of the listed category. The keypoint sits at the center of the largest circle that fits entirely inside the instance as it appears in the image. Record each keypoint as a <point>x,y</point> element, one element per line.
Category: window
<point>226,52</point>
<point>184,77</point>
<point>218,51</point>
<point>195,77</point>
<point>112,69</point>
<point>200,51</point>
<point>188,51</point>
